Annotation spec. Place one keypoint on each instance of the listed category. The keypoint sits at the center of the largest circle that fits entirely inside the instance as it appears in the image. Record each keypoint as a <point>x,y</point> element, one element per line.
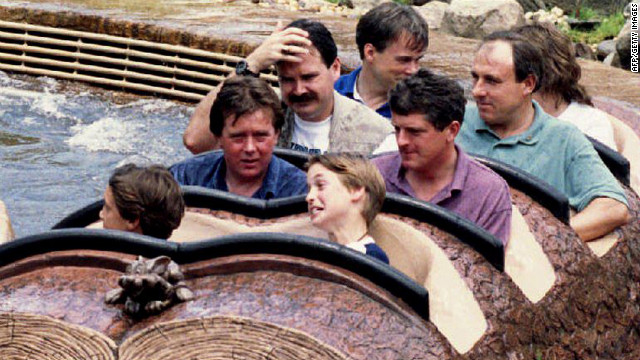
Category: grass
<point>586,13</point>
<point>608,28</point>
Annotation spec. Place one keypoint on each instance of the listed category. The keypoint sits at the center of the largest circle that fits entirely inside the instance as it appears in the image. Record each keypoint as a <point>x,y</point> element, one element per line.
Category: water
<point>59,143</point>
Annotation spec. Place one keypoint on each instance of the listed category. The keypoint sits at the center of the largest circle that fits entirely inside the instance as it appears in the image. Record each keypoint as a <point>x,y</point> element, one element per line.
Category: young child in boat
<point>144,200</point>
<point>346,193</point>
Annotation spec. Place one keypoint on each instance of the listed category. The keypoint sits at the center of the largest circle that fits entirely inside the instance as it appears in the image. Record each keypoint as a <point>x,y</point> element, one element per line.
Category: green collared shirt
<point>550,149</point>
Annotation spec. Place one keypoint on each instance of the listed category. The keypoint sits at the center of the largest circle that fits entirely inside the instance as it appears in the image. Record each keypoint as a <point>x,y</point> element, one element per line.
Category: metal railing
<point>129,64</point>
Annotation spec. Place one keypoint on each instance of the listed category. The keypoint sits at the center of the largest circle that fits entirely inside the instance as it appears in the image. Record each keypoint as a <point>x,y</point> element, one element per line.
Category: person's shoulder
<point>385,160</point>
<point>284,167</point>
<point>376,251</point>
<point>486,177</point>
<point>355,109</point>
<point>345,83</point>
<point>204,159</point>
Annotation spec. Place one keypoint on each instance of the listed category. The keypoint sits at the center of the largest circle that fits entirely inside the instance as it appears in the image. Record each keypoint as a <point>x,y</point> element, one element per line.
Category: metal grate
<point>142,66</point>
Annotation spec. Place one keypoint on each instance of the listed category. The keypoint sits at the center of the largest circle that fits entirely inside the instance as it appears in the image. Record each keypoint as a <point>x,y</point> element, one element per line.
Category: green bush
<point>608,28</point>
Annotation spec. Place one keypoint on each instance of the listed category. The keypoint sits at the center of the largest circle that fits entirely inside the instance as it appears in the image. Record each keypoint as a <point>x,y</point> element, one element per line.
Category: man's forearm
<point>600,217</point>
<point>197,137</point>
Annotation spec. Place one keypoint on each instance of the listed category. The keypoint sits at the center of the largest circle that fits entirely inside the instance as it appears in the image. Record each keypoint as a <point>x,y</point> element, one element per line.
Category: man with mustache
<point>391,38</point>
<point>246,118</point>
<point>318,119</point>
<point>426,111</point>
<point>509,126</point>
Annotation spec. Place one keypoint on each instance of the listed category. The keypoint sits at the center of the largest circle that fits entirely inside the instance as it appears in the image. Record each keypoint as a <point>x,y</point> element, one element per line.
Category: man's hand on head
<point>282,45</point>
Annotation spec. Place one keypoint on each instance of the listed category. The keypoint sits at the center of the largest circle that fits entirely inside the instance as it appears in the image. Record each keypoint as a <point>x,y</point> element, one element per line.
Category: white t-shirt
<point>311,137</point>
<point>591,121</point>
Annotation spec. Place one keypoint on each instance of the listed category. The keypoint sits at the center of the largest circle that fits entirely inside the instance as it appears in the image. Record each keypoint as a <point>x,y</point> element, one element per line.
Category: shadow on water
<point>60,141</point>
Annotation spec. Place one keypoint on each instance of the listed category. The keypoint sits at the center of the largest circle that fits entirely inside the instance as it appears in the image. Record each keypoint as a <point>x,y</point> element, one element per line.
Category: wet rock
<point>623,42</point>
<point>476,19</point>
<point>532,5</point>
<point>612,60</point>
<point>584,51</point>
<point>367,4</point>
<point>623,50</point>
<point>555,16</point>
<point>603,7</point>
<point>605,48</point>
<point>433,13</point>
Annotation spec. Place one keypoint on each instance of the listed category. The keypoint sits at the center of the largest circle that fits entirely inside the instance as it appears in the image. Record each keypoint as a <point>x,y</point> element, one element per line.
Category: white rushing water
<point>59,143</point>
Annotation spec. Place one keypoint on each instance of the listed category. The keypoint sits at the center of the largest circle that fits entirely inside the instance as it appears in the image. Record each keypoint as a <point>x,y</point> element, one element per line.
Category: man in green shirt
<point>509,126</point>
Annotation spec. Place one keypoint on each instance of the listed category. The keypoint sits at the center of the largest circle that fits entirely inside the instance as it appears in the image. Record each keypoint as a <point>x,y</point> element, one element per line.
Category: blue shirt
<point>345,85</point>
<point>376,251</point>
<point>552,150</point>
<point>209,170</point>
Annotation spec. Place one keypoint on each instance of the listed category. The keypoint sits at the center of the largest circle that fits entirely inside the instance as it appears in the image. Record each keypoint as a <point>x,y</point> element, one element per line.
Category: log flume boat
<point>267,285</point>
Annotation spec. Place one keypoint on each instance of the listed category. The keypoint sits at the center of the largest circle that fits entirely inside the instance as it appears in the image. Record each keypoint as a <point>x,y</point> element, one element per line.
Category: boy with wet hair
<point>346,192</point>
<point>144,200</point>
<point>391,38</point>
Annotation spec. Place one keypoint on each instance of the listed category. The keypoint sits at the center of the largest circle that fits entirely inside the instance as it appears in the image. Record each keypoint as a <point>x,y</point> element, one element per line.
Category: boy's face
<point>329,201</point>
<point>110,215</point>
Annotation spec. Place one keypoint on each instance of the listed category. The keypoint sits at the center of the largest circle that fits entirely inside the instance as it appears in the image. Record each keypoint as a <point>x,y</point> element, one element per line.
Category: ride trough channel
<point>253,279</point>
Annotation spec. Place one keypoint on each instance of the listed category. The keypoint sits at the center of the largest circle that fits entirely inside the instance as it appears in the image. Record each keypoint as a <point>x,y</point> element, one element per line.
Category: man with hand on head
<point>318,119</point>
<point>246,118</point>
<point>391,38</point>
<point>509,126</point>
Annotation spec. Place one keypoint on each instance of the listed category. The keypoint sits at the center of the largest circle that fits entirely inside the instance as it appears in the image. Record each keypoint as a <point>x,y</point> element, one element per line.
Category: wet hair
<point>389,22</point>
<point>320,37</point>
<point>561,69</point>
<point>355,171</point>
<point>527,59</point>
<point>150,195</point>
<point>438,97</point>
<point>243,95</point>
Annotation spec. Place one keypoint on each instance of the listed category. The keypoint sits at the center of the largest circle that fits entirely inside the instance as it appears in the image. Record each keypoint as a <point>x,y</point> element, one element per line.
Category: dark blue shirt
<point>376,251</point>
<point>209,170</point>
<point>346,84</point>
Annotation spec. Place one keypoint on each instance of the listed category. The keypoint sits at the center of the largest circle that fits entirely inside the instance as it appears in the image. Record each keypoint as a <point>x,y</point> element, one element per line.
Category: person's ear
<point>529,84</point>
<point>452,130</point>
<point>335,69</point>
<point>357,194</point>
<point>368,52</point>
<point>133,225</point>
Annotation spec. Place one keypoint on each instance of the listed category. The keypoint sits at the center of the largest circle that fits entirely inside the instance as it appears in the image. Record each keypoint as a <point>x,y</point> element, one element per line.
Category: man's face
<point>420,144</point>
<point>500,98</point>
<point>307,86</point>
<point>395,63</point>
<point>247,144</point>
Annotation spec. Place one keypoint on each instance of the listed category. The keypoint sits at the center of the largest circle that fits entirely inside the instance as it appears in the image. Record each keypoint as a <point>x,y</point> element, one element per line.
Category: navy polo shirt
<point>209,170</point>
<point>345,85</point>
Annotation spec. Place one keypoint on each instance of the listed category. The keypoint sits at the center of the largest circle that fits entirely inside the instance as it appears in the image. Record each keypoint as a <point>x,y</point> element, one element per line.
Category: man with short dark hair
<point>391,39</point>
<point>318,119</point>
<point>246,117</point>
<point>509,126</point>
<point>427,110</point>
